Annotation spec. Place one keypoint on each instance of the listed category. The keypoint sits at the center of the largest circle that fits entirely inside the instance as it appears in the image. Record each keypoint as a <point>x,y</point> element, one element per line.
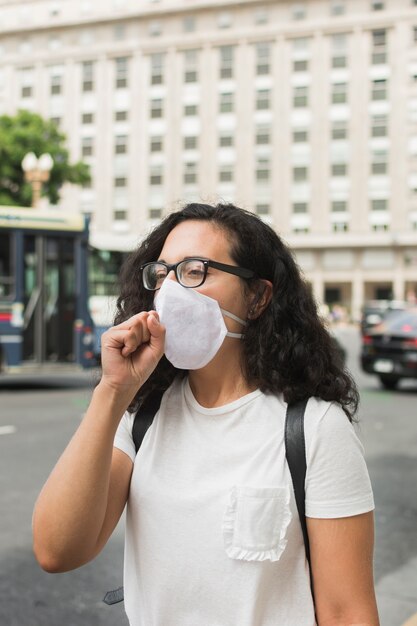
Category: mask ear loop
<point>236,319</point>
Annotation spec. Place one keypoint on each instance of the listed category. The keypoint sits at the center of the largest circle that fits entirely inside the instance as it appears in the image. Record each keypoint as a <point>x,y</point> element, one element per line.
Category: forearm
<point>70,511</point>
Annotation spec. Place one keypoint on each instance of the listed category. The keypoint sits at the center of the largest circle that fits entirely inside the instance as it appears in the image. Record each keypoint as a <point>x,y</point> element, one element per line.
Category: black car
<point>390,349</point>
<point>376,311</point>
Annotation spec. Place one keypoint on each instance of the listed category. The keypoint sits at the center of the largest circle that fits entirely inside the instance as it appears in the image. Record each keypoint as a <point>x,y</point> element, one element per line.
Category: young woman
<point>213,536</point>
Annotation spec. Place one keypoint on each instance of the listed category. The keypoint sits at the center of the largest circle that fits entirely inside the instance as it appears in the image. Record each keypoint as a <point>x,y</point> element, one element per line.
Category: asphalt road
<point>37,418</point>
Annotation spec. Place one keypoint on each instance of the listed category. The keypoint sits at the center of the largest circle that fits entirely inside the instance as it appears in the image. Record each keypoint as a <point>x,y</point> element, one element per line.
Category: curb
<point>412,621</point>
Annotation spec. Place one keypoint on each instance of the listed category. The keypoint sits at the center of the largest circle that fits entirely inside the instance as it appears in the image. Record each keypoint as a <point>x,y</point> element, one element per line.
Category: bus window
<point>6,269</point>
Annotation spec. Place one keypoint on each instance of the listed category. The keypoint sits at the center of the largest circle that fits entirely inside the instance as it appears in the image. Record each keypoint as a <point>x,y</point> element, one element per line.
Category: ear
<point>260,298</point>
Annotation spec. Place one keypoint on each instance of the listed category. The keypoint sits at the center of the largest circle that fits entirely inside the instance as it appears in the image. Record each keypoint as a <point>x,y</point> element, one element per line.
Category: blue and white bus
<point>44,315</point>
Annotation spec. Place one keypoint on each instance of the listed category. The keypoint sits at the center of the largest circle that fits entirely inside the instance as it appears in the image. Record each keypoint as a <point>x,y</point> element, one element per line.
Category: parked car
<point>389,350</point>
<point>376,311</point>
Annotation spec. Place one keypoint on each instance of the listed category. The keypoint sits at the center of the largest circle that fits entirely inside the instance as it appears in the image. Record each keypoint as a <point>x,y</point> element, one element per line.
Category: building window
<point>189,24</point>
<point>87,146</point>
<point>56,84</point>
<point>122,68</point>
<point>263,135</point>
<point>300,207</point>
<point>190,66</point>
<point>156,175</point>
<point>156,108</point>
<point>87,118</point>
<point>414,33</point>
<point>379,227</point>
<point>377,5</point>
<point>87,72</point>
<point>340,227</point>
<point>157,69</point>
<point>156,144</point>
<point>120,182</point>
<point>155,213</point>
<point>339,206</point>
<point>339,50</point>
<point>337,7</point>
<point>298,11</point>
<point>339,93</point>
<point>26,81</point>
<point>300,97</point>
<point>300,173</point>
<point>263,209</point>
<point>263,99</point>
<point>379,204</point>
<point>226,102</point>
<point>56,120</point>
<point>155,28</point>
<point>263,170</point>
<point>379,89</point>
<point>120,215</point>
<point>301,229</point>
<point>379,50</point>
<point>121,116</point>
<point>379,165</point>
<point>190,110</point>
<point>263,58</point>
<point>190,173</point>
<point>300,65</point>
<point>226,173</point>
<point>226,139</point>
<point>339,130</point>
<point>300,135</point>
<point>120,145</point>
<point>339,169</point>
<point>190,142</point>
<point>379,124</point>
<point>224,19</point>
<point>226,61</point>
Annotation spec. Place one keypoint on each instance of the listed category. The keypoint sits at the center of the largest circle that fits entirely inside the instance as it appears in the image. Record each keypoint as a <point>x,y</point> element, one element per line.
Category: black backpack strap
<point>144,417</point>
<point>295,451</point>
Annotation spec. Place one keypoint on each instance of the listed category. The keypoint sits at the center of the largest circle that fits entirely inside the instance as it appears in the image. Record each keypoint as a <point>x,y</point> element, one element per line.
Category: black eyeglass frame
<point>223,267</point>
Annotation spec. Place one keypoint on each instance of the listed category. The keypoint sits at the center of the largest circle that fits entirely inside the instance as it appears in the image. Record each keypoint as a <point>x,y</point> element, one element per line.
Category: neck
<point>221,381</point>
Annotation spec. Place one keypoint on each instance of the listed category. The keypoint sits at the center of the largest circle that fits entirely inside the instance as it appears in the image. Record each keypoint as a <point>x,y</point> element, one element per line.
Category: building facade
<point>304,112</point>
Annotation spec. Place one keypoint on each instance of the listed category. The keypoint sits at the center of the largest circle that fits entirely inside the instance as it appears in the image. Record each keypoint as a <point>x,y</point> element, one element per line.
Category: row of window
<point>263,174</point>
<point>263,133</point>
<point>191,64</point>
<point>263,99</point>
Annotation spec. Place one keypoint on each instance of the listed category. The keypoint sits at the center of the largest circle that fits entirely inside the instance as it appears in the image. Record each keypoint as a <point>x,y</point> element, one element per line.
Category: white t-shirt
<point>213,536</point>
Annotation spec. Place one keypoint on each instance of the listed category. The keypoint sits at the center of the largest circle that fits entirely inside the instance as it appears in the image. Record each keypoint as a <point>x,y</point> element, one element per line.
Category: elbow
<point>49,561</point>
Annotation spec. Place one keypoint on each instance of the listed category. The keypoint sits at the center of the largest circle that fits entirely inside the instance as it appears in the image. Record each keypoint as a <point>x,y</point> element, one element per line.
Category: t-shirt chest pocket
<point>256,522</point>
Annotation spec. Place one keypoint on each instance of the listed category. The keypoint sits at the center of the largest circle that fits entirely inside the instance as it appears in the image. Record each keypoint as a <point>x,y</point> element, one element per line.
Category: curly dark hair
<point>287,349</point>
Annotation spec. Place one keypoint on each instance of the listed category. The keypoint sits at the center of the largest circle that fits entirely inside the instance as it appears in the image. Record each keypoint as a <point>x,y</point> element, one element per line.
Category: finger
<point>132,321</point>
<point>157,331</point>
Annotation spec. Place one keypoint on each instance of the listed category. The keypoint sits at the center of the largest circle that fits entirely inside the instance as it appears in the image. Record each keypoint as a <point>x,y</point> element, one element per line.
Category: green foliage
<point>29,132</point>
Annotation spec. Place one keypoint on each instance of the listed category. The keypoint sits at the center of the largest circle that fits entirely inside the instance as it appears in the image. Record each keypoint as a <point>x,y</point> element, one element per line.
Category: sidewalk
<point>397,596</point>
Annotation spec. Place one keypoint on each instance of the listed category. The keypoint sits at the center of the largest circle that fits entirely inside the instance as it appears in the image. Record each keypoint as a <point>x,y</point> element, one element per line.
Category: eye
<point>194,269</point>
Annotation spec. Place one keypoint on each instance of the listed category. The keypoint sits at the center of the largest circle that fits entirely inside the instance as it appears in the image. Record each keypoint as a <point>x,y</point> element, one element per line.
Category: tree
<point>29,132</point>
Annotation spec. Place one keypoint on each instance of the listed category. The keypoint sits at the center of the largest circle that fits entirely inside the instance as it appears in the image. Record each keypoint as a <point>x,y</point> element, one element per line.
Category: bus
<point>103,273</point>
<point>44,315</point>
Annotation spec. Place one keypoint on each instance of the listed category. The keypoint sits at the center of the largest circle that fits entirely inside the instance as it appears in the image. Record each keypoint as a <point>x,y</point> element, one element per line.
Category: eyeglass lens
<point>189,273</point>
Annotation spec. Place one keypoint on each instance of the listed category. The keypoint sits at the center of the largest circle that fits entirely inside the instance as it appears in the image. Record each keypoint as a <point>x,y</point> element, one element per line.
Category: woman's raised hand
<point>131,351</point>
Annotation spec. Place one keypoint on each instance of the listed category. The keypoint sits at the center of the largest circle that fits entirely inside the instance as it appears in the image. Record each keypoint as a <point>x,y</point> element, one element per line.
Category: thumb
<point>157,331</point>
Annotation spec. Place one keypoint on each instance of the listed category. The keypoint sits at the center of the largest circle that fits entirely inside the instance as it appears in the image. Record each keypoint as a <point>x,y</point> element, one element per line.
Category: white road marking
<point>7,430</point>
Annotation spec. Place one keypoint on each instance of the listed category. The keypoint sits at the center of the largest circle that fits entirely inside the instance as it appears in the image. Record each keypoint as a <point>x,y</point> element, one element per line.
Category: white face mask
<point>194,323</point>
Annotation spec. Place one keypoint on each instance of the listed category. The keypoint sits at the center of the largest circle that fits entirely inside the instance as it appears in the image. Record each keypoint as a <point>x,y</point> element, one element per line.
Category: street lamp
<point>37,172</point>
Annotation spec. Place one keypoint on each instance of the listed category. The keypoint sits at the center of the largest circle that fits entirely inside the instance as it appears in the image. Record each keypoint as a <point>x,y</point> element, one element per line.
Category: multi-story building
<point>304,112</point>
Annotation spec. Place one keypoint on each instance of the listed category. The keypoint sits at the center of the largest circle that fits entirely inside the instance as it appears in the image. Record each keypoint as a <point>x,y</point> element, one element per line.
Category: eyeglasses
<point>189,273</point>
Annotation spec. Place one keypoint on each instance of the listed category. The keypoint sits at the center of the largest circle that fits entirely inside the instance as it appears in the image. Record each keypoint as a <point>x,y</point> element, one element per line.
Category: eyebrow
<point>186,258</point>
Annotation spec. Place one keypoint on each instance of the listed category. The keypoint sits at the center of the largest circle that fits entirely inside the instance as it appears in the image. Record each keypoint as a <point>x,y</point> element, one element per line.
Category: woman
<point>212,531</point>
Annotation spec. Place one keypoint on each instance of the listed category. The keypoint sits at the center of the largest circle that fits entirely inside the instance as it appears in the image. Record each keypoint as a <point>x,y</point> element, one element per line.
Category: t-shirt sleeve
<point>123,439</point>
<point>337,479</point>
